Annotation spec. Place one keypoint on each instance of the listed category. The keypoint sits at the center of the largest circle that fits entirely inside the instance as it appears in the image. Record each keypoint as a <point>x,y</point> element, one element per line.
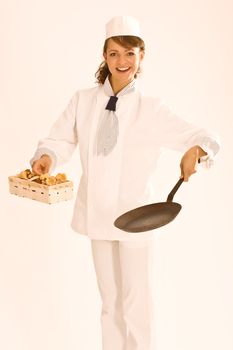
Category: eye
<point>112,54</point>
<point>131,53</point>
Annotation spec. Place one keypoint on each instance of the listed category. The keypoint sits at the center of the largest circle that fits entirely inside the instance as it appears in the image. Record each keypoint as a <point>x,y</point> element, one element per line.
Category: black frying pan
<point>151,216</point>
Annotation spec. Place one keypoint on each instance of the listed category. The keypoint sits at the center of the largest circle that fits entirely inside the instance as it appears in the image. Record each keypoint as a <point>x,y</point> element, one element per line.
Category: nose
<point>121,60</point>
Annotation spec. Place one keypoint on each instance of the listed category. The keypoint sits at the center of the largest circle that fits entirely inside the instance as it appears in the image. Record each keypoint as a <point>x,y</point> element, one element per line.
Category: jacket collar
<point>131,87</point>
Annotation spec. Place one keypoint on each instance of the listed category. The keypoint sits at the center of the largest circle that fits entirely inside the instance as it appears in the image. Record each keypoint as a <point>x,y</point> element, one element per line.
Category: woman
<point>120,133</point>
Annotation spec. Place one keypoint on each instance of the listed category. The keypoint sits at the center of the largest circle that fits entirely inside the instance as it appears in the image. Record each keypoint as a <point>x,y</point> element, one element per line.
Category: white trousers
<point>124,273</point>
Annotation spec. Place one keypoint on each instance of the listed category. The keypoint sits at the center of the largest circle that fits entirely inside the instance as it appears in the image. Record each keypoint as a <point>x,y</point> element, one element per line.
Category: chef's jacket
<point>121,180</point>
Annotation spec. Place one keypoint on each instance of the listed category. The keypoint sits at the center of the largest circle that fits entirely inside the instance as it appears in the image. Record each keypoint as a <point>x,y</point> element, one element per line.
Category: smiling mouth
<point>123,70</point>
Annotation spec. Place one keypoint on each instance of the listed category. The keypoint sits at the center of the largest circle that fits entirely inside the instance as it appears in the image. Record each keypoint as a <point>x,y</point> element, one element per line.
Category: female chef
<point>120,133</point>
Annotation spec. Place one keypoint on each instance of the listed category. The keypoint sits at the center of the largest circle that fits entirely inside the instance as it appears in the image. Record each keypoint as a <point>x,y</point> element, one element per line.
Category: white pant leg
<point>136,259</point>
<point>106,262</point>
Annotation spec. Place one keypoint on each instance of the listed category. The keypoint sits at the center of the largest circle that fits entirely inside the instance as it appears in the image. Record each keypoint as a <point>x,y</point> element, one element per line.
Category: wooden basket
<point>42,193</point>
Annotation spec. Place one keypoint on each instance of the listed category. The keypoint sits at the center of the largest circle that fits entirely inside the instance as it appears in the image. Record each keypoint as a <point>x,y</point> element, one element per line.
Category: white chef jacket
<point>113,184</point>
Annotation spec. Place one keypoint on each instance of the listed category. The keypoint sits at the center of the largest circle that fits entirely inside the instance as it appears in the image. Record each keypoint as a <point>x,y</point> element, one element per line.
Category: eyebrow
<point>118,51</point>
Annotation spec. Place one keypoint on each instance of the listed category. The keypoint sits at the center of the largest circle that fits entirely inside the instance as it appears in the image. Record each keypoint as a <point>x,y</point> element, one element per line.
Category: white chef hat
<point>122,25</point>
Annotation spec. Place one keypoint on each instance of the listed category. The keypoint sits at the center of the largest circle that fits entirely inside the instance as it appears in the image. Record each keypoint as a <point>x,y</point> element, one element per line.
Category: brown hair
<point>127,41</point>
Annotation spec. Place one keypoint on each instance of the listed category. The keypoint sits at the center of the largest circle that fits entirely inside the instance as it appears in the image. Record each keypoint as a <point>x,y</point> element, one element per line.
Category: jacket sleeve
<point>62,138</point>
<point>175,133</point>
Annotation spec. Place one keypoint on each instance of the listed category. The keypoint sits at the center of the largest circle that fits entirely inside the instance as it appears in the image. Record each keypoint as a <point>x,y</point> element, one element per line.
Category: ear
<point>142,54</point>
<point>105,55</point>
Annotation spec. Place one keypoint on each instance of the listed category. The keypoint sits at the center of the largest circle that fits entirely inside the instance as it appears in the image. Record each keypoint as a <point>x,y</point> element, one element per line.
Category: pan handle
<point>173,191</point>
<point>175,188</point>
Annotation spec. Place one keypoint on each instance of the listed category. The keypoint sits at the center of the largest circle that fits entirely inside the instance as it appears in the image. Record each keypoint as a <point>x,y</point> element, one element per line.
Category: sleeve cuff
<point>211,147</point>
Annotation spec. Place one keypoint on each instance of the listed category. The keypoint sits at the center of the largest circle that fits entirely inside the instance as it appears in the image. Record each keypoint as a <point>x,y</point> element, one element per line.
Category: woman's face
<point>122,63</point>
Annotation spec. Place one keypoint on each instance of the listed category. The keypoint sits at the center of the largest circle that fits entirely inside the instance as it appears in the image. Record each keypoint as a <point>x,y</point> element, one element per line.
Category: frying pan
<point>151,216</point>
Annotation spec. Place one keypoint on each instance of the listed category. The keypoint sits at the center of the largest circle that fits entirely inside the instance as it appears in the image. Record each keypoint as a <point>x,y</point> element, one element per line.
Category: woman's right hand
<point>42,165</point>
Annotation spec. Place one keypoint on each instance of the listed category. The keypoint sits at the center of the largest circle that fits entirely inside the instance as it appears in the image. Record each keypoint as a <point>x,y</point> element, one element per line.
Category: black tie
<point>111,106</point>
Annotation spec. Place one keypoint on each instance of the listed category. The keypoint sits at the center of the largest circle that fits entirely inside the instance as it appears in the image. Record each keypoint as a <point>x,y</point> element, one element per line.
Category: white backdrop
<point>48,291</point>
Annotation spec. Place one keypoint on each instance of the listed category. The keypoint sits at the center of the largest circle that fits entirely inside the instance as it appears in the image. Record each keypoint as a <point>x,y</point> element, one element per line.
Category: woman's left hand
<point>189,161</point>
